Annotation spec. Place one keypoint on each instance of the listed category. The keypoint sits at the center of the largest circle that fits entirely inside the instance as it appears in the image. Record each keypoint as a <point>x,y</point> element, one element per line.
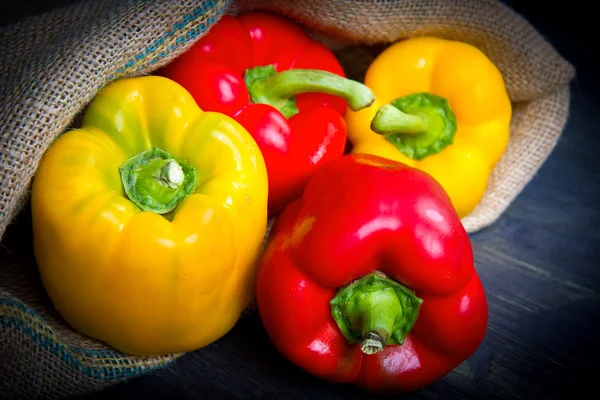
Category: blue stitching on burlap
<point>190,35</point>
<point>105,373</point>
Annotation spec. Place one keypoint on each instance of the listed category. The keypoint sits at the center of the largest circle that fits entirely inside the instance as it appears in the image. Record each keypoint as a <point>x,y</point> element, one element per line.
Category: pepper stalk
<point>267,86</point>
<point>157,181</point>
<point>419,124</point>
<point>375,311</point>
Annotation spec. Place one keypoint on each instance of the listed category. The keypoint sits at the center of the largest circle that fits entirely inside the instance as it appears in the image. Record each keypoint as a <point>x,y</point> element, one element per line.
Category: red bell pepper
<point>288,90</point>
<point>369,278</point>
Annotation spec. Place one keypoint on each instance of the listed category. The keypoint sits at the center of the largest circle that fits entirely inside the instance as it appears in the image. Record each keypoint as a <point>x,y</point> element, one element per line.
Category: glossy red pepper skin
<point>213,69</point>
<point>361,213</point>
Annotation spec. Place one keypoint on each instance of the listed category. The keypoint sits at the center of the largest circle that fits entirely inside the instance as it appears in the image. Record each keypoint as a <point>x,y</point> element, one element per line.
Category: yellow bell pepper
<point>441,107</point>
<point>148,220</point>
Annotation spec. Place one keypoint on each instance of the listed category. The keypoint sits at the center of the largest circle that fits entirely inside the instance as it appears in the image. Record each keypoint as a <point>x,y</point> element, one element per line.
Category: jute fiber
<point>53,64</point>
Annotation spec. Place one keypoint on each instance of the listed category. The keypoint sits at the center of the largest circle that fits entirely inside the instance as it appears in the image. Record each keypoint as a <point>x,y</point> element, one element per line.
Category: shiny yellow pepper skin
<point>150,283</point>
<point>474,90</point>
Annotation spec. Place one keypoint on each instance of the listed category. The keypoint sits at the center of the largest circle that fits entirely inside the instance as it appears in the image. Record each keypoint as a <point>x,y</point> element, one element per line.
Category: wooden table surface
<point>539,263</point>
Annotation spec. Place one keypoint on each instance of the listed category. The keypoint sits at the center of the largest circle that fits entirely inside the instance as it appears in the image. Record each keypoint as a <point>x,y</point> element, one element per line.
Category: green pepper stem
<point>373,342</point>
<point>389,119</point>
<point>157,181</point>
<point>419,124</point>
<point>171,174</point>
<point>278,89</point>
<point>375,311</point>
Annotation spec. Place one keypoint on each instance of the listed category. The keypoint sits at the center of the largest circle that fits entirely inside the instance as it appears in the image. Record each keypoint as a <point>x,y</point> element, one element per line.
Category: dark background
<point>540,263</point>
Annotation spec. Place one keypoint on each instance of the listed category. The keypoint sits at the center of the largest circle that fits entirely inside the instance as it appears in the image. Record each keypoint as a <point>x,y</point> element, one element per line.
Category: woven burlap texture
<point>52,66</point>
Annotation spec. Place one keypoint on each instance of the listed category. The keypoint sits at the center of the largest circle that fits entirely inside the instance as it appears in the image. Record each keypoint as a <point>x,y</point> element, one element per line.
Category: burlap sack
<point>52,65</point>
